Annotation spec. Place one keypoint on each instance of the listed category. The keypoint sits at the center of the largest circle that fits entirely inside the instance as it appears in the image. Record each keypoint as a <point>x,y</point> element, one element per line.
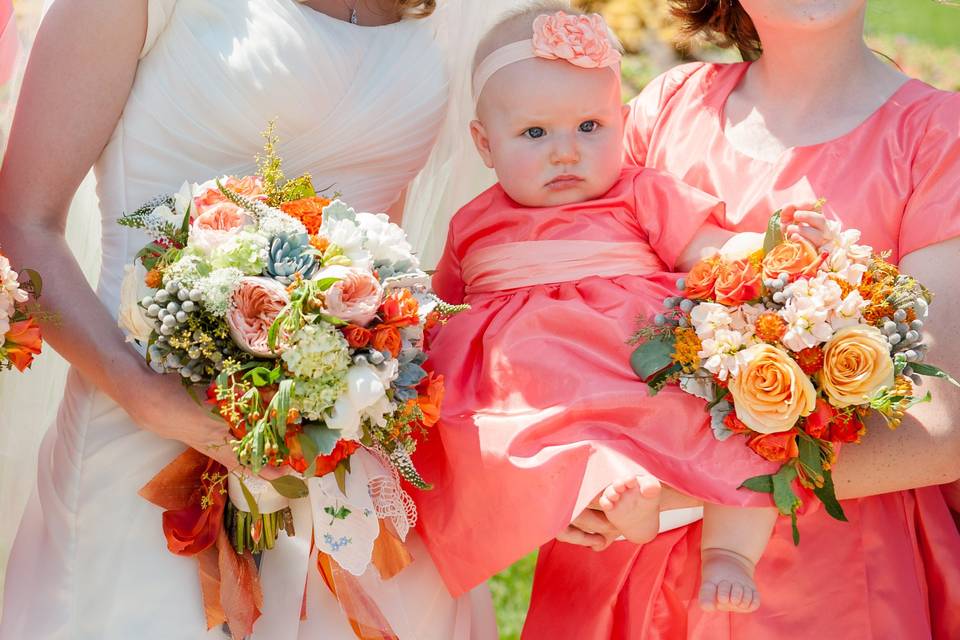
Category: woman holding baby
<point>815,115</point>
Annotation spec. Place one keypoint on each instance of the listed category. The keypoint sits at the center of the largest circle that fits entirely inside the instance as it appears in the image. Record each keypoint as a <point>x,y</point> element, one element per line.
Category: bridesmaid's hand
<point>590,529</point>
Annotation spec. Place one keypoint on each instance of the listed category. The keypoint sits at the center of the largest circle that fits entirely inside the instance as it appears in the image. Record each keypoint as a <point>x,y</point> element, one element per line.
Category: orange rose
<point>357,337</point>
<point>775,447</point>
<point>701,279</point>
<point>817,423</point>
<point>771,392</point>
<point>730,421</point>
<point>309,211</point>
<point>856,364</point>
<point>250,186</point>
<point>846,427</point>
<point>430,398</point>
<point>793,257</point>
<point>23,343</point>
<point>343,450</point>
<point>400,309</point>
<point>737,282</point>
<point>387,338</point>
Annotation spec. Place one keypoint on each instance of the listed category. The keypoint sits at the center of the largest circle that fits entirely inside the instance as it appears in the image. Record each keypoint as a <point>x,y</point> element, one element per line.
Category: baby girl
<point>542,415</point>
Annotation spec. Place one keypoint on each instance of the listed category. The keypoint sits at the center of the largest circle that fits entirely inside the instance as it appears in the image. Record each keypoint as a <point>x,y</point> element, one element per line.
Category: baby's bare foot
<point>727,583</point>
<point>633,507</point>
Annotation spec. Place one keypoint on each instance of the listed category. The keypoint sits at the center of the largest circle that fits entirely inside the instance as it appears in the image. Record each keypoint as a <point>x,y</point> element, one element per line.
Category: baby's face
<point>553,132</point>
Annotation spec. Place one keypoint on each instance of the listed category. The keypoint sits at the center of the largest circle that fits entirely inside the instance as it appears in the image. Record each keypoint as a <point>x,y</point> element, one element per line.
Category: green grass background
<point>923,21</point>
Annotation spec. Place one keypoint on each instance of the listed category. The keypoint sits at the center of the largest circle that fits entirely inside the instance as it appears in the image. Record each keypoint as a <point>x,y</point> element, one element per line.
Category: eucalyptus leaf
<point>652,356</point>
<point>290,487</point>
<point>324,439</point>
<point>760,484</point>
<point>828,496</point>
<point>929,370</point>
<point>783,495</point>
<point>810,456</point>
<point>309,447</point>
<point>340,474</point>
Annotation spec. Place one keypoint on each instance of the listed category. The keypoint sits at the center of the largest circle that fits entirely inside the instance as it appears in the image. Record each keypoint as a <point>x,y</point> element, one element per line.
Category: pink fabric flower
<point>355,297</point>
<point>583,41</point>
<point>255,304</point>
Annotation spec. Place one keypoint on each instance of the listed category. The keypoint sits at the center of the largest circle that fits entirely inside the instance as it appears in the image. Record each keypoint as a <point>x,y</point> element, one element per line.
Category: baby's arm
<point>734,539</point>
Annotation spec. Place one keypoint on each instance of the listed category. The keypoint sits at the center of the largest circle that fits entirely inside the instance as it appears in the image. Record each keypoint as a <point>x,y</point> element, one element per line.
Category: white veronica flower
<point>724,353</point>
<point>709,317</point>
<point>386,241</point>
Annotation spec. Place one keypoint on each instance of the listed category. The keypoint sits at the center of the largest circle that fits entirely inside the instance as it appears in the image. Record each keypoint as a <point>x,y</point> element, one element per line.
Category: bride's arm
<point>76,84</point>
<point>925,450</point>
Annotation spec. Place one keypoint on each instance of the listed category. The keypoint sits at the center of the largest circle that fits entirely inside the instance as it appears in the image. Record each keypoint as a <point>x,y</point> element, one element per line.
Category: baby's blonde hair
<point>517,25</point>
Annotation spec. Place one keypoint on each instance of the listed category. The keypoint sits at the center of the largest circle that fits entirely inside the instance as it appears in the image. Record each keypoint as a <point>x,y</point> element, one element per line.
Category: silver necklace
<point>354,18</point>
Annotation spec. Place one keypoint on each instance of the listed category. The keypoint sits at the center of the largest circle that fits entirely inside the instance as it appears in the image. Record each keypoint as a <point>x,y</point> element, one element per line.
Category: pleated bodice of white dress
<point>357,107</point>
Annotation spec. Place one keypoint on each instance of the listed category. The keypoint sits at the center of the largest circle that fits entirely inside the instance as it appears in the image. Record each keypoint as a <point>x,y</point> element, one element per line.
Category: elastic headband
<point>582,40</point>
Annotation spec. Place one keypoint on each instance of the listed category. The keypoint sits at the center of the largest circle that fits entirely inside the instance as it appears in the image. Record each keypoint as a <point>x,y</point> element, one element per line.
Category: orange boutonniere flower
<point>400,309</point>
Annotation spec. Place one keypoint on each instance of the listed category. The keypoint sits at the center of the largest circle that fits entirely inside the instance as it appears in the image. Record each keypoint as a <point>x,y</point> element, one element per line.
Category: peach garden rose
<point>771,392</point>
<point>856,364</point>
<point>254,305</point>
<point>355,297</point>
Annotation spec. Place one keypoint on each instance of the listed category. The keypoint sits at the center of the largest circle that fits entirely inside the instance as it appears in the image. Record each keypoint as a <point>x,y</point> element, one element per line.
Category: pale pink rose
<point>583,41</point>
<point>224,216</point>
<point>254,305</point>
<point>355,297</point>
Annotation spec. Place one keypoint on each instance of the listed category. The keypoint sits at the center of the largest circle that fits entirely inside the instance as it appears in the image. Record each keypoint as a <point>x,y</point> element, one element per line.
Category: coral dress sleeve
<point>932,214</point>
<point>447,279</point>
<point>158,15</point>
<point>672,212</point>
<point>646,108</point>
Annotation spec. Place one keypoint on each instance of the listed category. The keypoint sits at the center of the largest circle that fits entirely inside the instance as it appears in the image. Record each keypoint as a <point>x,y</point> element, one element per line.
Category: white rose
<point>365,391</point>
<point>347,236</point>
<point>132,318</point>
<point>741,245</point>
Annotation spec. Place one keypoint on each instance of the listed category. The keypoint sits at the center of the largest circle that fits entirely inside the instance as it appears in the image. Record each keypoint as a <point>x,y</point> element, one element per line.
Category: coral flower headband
<point>581,40</point>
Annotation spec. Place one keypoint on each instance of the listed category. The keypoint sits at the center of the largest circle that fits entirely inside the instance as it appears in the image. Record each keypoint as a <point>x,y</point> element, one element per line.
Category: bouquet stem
<point>256,534</point>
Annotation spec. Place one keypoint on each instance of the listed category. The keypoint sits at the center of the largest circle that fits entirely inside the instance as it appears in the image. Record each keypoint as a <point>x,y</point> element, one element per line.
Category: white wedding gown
<point>357,107</point>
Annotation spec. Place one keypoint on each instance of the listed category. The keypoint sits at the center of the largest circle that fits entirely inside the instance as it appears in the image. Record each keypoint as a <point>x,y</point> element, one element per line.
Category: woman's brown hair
<point>723,22</point>
<point>416,8</point>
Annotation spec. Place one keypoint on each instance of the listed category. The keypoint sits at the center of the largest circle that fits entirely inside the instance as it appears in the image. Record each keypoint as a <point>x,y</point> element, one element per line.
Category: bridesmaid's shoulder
<point>690,76</point>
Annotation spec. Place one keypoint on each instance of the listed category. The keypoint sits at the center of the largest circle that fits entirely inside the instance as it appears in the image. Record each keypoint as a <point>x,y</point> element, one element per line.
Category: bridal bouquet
<point>21,341</point>
<point>305,321</point>
<point>793,347</point>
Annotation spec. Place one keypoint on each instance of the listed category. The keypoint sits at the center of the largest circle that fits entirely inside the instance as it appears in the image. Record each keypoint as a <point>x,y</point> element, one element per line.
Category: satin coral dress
<point>542,410</point>
<point>893,571</point>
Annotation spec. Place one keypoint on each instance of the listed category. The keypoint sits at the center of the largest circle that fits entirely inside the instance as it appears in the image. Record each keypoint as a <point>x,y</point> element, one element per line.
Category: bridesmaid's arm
<point>925,450</point>
<point>77,82</point>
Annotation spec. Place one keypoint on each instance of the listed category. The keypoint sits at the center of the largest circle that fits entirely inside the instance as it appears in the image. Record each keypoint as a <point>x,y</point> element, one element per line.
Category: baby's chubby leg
<point>734,539</point>
<point>633,506</point>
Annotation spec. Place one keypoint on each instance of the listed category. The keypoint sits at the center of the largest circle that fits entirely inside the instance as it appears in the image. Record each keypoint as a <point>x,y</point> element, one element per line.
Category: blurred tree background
<point>922,37</point>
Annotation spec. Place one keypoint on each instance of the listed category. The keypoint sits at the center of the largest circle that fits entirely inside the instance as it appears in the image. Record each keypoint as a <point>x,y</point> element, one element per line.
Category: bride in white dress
<point>152,92</point>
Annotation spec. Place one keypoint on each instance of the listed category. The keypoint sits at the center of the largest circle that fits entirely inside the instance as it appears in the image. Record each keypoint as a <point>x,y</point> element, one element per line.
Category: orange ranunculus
<point>23,343</point>
<point>357,337</point>
<point>794,257</point>
<point>775,447</point>
<point>701,279</point>
<point>817,424</point>
<point>737,282</point>
<point>400,309</point>
<point>343,450</point>
<point>430,398</point>
<point>309,211</point>
<point>846,427</point>
<point>387,338</point>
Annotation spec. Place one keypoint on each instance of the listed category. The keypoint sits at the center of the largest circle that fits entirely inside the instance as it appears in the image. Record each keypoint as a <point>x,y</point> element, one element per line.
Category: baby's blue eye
<point>589,126</point>
<point>535,132</point>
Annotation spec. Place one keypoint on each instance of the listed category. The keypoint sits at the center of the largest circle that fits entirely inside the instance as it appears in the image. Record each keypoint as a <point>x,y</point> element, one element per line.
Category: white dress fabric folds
<point>357,107</point>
